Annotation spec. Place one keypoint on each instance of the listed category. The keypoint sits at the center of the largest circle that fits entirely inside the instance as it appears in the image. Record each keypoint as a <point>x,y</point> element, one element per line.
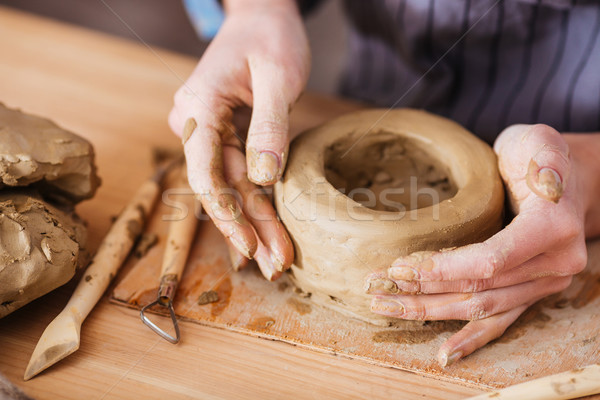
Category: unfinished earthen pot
<point>372,186</point>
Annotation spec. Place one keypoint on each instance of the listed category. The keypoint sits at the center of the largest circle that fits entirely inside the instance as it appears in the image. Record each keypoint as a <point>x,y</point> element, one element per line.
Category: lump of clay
<point>372,186</point>
<point>44,171</point>
<point>40,247</point>
<point>35,151</point>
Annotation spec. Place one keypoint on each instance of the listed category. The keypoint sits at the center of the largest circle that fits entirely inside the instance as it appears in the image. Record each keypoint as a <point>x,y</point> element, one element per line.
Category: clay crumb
<point>301,293</point>
<point>146,242</point>
<point>283,286</point>
<point>88,278</point>
<point>210,296</point>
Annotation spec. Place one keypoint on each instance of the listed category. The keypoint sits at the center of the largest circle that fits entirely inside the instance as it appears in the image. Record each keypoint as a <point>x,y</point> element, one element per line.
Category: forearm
<point>584,149</point>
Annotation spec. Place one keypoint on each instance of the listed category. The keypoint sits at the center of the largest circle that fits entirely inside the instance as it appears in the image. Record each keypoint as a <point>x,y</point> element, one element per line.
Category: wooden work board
<point>555,335</point>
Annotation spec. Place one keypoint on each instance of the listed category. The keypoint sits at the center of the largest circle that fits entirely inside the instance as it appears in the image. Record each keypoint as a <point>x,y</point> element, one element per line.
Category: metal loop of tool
<point>166,292</point>
<point>155,328</point>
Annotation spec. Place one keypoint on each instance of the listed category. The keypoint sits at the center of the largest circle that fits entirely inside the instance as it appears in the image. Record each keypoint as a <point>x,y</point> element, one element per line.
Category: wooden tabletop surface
<point>117,94</point>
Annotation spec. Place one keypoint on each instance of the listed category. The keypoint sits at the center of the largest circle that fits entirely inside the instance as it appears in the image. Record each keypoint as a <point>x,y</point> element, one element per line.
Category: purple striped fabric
<point>484,63</point>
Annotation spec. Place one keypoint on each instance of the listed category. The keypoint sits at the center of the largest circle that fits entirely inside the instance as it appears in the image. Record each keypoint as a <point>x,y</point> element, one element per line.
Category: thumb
<point>268,140</point>
<point>540,154</point>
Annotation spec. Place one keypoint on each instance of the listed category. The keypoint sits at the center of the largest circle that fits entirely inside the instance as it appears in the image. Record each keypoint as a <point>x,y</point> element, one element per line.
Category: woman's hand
<point>491,283</point>
<point>260,58</point>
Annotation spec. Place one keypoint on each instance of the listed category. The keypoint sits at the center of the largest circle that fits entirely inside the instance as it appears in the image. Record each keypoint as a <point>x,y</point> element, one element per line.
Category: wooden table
<point>117,94</point>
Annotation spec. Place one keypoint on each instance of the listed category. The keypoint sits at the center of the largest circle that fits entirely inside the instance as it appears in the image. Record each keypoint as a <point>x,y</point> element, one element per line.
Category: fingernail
<point>386,306</point>
<point>237,260</point>
<point>277,260</point>
<point>265,262</point>
<point>241,245</point>
<point>446,360</point>
<point>266,168</point>
<point>544,182</point>
<point>375,285</point>
<point>188,129</point>
<point>402,273</point>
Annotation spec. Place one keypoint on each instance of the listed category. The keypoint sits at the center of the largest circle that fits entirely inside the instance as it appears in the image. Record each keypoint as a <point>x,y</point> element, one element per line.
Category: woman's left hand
<point>492,283</point>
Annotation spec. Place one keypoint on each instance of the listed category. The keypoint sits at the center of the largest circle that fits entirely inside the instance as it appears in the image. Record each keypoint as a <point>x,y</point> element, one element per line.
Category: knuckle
<point>174,122</point>
<point>418,312</point>
<point>478,307</point>
<point>579,258</point>
<point>542,131</point>
<point>478,285</point>
<point>493,263</point>
<point>571,229</point>
<point>266,129</point>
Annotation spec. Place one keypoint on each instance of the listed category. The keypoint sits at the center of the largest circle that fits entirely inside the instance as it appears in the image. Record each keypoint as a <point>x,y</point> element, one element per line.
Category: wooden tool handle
<point>113,250</point>
<point>567,385</point>
<point>179,240</point>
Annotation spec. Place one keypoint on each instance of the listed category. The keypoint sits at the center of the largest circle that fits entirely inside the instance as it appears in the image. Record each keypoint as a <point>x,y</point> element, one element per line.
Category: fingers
<point>524,238</point>
<point>204,156</point>
<point>564,263</point>
<point>466,306</point>
<point>267,143</point>
<point>237,259</point>
<point>259,210</point>
<point>265,263</point>
<point>475,335</point>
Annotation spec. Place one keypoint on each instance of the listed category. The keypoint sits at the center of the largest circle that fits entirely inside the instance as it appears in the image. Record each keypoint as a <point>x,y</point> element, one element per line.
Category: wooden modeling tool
<point>182,229</point>
<point>566,385</point>
<point>62,336</point>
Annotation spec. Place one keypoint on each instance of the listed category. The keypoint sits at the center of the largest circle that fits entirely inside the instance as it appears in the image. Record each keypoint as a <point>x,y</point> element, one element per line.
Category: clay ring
<point>372,186</point>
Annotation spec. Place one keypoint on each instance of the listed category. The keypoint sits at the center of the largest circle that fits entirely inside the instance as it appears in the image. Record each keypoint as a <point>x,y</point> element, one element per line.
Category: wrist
<point>584,150</point>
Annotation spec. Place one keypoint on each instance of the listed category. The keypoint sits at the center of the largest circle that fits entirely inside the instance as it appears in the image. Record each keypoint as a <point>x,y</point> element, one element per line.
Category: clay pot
<point>371,186</point>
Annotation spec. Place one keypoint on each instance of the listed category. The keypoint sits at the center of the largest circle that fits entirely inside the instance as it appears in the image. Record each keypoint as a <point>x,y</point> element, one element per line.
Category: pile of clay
<point>44,172</point>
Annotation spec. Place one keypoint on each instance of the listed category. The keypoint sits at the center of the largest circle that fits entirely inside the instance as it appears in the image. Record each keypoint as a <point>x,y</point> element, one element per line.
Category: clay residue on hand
<point>35,151</point>
<point>394,169</point>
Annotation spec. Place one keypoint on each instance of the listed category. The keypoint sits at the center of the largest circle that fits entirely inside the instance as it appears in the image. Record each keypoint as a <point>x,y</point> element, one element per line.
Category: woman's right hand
<point>260,58</point>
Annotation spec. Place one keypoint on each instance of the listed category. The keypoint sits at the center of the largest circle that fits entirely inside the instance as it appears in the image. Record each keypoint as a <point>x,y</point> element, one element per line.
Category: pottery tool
<point>179,241</point>
<point>567,385</point>
<point>62,336</point>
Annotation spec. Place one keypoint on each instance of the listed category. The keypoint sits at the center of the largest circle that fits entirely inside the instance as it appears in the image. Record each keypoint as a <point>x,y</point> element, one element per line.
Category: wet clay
<point>392,169</point>
<point>36,151</point>
<point>44,171</point>
<point>435,186</point>
<point>40,248</point>
<point>207,297</point>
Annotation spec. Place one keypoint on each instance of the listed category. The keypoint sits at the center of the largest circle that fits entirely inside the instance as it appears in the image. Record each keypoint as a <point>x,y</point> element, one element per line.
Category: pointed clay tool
<point>61,337</point>
<point>179,241</point>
